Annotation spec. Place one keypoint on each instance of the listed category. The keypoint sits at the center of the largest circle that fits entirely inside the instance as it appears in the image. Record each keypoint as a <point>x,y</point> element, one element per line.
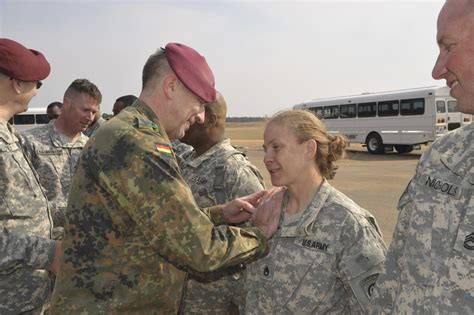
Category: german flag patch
<point>163,148</point>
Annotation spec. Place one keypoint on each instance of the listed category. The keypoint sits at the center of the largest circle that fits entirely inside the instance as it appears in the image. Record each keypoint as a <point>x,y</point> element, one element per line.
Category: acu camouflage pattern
<point>133,228</point>
<point>430,262</point>
<point>212,293</point>
<point>54,158</point>
<point>94,127</point>
<point>325,263</point>
<point>26,250</point>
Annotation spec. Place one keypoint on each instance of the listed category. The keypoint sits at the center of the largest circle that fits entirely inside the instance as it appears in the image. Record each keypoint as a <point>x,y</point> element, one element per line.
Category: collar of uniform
<point>304,225</point>
<point>146,111</point>
<point>7,132</point>
<point>61,141</point>
<point>457,153</point>
<point>195,162</point>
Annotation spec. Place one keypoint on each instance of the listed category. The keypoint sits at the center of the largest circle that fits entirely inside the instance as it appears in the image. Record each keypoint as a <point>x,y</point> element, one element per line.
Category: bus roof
<point>34,110</point>
<point>442,91</point>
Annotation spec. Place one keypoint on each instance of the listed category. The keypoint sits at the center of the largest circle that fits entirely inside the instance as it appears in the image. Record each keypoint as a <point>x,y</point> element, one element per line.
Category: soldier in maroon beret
<point>27,252</point>
<point>133,228</point>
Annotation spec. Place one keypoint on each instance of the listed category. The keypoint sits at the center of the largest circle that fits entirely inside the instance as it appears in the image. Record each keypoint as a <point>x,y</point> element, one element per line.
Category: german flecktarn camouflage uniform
<point>430,262</point>
<point>133,228</point>
<point>219,175</point>
<point>54,158</point>
<point>26,248</point>
<point>325,262</point>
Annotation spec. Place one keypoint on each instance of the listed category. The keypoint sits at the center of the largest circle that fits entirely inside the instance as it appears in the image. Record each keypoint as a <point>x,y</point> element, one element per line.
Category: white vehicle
<point>33,117</point>
<point>401,119</point>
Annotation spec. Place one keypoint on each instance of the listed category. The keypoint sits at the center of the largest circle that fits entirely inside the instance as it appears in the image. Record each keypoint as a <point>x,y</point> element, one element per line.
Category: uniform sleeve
<point>361,260</point>
<point>150,188</point>
<point>387,284</point>
<point>242,179</point>
<point>27,146</point>
<point>18,250</point>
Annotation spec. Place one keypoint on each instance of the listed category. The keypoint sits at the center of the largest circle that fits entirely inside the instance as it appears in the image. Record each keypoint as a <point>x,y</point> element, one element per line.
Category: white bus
<point>33,117</point>
<point>401,119</point>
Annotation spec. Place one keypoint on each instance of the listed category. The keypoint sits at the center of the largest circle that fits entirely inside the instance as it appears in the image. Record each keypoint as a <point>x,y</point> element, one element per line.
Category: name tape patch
<point>313,244</point>
<point>441,186</point>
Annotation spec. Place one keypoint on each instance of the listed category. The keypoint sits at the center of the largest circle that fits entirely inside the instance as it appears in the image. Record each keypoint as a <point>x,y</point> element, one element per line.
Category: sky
<point>266,55</point>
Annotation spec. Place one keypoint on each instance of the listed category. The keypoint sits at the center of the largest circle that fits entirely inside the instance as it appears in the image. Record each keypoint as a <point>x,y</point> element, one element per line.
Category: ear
<point>211,119</point>
<point>311,148</point>
<point>170,86</point>
<point>16,85</point>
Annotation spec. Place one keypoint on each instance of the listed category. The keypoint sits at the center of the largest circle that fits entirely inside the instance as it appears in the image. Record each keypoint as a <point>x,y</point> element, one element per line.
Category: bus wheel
<point>375,144</point>
<point>404,148</point>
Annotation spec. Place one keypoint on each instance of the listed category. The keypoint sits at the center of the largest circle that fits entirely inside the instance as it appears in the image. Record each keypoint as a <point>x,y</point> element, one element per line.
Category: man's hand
<point>267,215</point>
<point>54,267</point>
<point>241,209</point>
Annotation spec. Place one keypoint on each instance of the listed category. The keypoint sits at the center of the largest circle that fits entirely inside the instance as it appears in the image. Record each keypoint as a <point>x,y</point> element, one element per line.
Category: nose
<point>200,116</point>
<point>267,157</point>
<point>439,69</point>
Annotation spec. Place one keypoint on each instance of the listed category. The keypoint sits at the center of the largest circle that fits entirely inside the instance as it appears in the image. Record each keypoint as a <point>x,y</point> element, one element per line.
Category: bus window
<point>42,119</point>
<point>388,108</point>
<point>331,112</point>
<point>348,111</point>
<point>440,107</point>
<point>319,112</point>
<point>366,109</point>
<point>412,107</point>
<point>453,107</point>
<point>24,119</point>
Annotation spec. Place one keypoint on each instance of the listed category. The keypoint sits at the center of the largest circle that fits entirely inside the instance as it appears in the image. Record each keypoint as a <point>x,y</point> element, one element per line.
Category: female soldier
<point>328,251</point>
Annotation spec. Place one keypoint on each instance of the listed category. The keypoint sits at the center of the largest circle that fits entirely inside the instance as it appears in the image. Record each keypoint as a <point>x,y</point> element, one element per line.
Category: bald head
<point>455,62</point>
<point>218,108</point>
<point>204,136</point>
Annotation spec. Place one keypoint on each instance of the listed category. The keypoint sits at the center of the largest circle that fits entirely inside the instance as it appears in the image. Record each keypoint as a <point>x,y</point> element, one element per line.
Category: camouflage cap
<point>22,63</point>
<point>192,69</point>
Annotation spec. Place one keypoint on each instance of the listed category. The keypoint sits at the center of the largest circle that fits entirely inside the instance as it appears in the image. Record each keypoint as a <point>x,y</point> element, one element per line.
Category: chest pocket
<point>18,186</point>
<point>54,169</point>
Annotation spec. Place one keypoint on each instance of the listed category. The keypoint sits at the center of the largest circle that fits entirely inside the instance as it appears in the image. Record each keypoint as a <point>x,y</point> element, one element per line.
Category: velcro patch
<point>50,152</point>
<point>312,244</point>
<point>163,148</point>
<point>367,284</point>
<point>441,186</point>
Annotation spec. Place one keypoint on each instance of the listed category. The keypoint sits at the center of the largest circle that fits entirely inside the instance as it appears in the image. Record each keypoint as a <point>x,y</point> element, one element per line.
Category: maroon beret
<point>192,69</point>
<point>21,63</point>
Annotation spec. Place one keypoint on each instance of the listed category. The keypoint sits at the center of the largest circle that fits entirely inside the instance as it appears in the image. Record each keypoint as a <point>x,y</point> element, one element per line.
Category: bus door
<point>454,115</point>
<point>441,118</point>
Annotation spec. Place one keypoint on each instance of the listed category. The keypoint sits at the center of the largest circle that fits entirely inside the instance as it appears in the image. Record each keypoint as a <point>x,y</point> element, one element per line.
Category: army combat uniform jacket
<point>26,248</point>
<point>133,228</point>
<point>219,175</point>
<point>54,158</point>
<point>324,263</point>
<point>430,262</point>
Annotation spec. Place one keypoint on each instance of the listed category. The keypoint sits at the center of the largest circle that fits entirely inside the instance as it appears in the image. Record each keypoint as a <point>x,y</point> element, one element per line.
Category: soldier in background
<point>216,173</point>
<point>54,110</point>
<point>132,227</point>
<point>54,148</point>
<point>122,102</point>
<point>97,121</point>
<point>26,249</point>
<point>430,262</point>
